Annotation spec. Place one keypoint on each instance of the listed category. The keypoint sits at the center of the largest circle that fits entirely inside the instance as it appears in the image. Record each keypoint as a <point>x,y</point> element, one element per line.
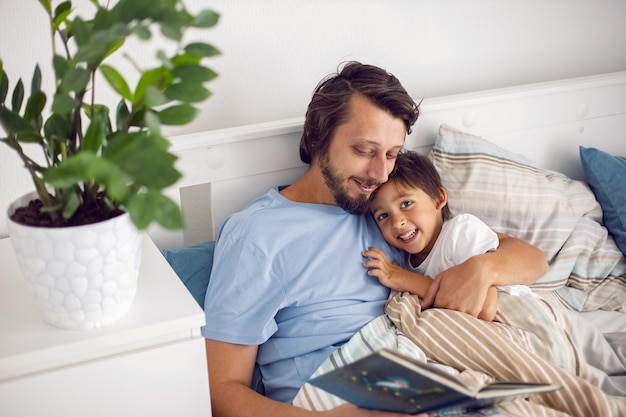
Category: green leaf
<point>206,19</point>
<point>188,92</point>
<point>14,123</point>
<point>18,96</point>
<point>194,73</point>
<point>146,207</point>
<point>178,115</point>
<point>121,115</point>
<point>84,167</point>
<point>61,12</point>
<point>114,47</point>
<point>61,66</point>
<point>116,81</point>
<point>57,128</point>
<point>94,136</point>
<point>171,32</point>
<point>182,59</point>
<point>34,106</point>
<point>201,49</point>
<point>35,84</point>
<point>144,158</point>
<point>152,122</point>
<point>91,110</point>
<point>156,77</point>
<point>63,104</point>
<point>46,5</point>
<point>163,58</point>
<point>76,79</point>
<point>142,31</point>
<point>128,10</point>
<point>102,44</point>
<point>30,137</point>
<point>4,84</point>
<point>72,202</point>
<point>167,213</point>
<point>138,117</point>
<point>154,97</point>
<point>80,31</point>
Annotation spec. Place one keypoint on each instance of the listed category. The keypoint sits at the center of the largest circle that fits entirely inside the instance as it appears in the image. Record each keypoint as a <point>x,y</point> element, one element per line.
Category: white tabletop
<point>163,312</point>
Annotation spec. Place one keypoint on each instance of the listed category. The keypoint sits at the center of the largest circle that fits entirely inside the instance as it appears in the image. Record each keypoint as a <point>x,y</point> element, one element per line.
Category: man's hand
<point>462,287</point>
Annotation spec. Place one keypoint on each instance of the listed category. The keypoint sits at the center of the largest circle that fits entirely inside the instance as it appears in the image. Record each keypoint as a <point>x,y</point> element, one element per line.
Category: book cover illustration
<point>383,381</point>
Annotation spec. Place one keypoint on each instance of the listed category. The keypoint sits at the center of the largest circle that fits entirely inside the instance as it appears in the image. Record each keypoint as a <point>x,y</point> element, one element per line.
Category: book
<point>390,381</point>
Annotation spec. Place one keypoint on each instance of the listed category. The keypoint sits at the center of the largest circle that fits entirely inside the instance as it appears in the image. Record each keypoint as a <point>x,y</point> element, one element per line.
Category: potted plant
<point>93,163</point>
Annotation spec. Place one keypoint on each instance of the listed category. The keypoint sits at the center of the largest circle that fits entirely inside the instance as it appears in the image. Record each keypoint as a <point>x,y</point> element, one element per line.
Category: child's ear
<point>443,198</point>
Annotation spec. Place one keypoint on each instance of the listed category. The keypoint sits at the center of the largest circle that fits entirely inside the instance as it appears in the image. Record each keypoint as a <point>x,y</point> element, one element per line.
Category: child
<point>412,213</point>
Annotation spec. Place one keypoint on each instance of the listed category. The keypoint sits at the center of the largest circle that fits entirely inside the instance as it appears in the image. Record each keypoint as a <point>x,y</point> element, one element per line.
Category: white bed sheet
<point>606,321</point>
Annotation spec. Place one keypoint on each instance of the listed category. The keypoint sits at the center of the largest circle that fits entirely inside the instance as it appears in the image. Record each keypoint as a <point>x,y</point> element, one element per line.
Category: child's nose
<point>399,221</point>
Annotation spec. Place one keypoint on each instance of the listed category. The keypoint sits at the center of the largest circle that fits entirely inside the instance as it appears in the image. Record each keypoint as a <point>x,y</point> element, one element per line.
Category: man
<point>288,286</point>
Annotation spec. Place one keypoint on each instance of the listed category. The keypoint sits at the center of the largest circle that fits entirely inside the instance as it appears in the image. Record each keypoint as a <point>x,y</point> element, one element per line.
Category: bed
<point>542,162</point>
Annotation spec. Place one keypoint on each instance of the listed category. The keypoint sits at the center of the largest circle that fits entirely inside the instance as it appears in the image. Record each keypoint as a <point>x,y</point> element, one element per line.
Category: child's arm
<point>395,277</point>
<point>392,275</point>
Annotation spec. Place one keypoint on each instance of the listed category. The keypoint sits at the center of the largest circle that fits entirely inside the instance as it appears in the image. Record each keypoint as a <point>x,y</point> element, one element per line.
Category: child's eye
<point>405,204</point>
<point>381,217</point>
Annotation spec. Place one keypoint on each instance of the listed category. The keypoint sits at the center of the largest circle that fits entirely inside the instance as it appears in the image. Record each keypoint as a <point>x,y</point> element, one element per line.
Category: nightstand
<point>151,362</point>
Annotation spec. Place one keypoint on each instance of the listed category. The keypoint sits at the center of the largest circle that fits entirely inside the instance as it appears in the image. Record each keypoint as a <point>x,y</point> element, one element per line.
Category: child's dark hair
<point>417,171</point>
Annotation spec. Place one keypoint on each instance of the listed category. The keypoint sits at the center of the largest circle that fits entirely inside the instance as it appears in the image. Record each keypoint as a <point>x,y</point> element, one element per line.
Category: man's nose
<point>380,167</point>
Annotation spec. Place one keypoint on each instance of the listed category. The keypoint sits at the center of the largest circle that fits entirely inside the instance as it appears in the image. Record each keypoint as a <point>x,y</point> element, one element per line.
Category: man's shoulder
<point>256,213</point>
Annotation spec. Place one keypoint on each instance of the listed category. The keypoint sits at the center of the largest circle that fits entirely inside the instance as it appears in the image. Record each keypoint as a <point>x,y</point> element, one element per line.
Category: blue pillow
<point>606,175</point>
<point>193,265</point>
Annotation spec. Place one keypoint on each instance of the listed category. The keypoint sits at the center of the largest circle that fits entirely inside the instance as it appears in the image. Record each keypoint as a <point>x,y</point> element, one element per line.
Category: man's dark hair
<point>417,171</point>
<point>329,106</point>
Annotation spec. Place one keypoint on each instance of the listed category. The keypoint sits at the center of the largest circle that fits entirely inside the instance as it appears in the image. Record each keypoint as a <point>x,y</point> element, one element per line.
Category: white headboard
<point>546,122</point>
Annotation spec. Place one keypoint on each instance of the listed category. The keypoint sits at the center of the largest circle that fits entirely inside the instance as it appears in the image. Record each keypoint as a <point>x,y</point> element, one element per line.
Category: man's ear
<point>443,198</point>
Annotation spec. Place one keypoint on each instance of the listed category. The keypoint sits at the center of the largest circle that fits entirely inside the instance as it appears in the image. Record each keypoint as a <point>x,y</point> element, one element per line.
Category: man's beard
<point>353,205</point>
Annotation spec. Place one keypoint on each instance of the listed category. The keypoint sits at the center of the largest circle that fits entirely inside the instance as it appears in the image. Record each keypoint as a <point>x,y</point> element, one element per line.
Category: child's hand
<point>389,274</point>
<point>392,275</point>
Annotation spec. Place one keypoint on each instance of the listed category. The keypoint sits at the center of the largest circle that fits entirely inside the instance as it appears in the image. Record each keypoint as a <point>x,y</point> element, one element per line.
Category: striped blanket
<point>527,341</point>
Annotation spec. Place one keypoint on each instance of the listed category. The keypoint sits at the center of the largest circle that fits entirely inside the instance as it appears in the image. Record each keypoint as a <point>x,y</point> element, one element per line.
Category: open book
<point>390,381</point>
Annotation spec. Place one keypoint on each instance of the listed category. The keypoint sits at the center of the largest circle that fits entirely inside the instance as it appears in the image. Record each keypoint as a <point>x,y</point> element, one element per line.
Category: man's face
<point>361,155</point>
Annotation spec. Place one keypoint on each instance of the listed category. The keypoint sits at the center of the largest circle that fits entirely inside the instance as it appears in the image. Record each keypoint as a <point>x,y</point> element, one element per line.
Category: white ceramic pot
<point>84,277</point>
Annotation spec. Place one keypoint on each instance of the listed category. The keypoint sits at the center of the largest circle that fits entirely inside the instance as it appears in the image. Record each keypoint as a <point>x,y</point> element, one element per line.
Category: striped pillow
<point>545,208</point>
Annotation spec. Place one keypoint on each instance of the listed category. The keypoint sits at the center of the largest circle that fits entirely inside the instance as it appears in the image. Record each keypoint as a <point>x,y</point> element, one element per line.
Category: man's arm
<point>230,375</point>
<point>464,287</point>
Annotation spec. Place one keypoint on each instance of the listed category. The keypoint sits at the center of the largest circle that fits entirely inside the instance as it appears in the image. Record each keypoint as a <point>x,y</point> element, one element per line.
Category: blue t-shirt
<point>289,277</point>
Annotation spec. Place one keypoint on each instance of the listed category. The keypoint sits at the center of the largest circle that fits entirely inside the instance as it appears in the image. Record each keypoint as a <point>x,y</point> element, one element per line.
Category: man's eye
<point>392,156</point>
<point>364,151</point>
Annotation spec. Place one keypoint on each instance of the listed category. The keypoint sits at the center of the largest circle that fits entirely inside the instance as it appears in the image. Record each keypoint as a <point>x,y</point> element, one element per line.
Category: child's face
<point>408,217</point>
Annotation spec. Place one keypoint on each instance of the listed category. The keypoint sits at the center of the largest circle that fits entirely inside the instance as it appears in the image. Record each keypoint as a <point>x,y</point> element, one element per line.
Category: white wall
<point>275,51</point>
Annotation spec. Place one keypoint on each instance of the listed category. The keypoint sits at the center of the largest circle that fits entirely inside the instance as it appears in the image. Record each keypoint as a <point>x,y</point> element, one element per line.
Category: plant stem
<point>40,186</point>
